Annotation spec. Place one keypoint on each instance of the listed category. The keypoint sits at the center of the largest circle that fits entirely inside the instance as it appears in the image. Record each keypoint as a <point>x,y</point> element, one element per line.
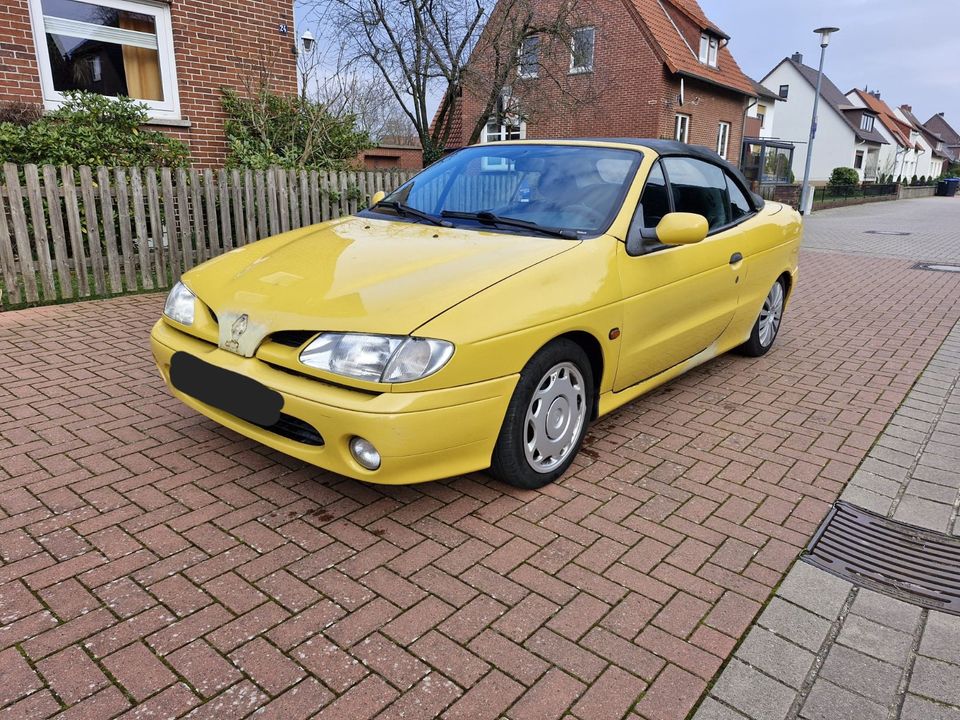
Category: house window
<point>709,47</point>
<point>528,61</point>
<point>784,91</point>
<point>581,50</point>
<point>109,47</point>
<point>858,160</point>
<point>866,122</point>
<point>762,115</point>
<point>681,128</point>
<point>497,131</point>
<point>723,139</point>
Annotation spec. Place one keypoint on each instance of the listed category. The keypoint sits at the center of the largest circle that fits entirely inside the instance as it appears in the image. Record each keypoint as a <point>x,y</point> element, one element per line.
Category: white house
<point>843,130</point>
<point>899,157</point>
<point>940,155</point>
<point>761,114</point>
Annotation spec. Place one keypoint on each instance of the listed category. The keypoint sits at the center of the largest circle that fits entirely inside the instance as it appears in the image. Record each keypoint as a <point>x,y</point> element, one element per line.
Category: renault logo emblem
<point>238,328</point>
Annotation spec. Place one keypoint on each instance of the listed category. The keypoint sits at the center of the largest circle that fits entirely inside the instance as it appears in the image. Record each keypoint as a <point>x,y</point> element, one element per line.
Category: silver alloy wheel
<point>771,314</point>
<point>555,417</point>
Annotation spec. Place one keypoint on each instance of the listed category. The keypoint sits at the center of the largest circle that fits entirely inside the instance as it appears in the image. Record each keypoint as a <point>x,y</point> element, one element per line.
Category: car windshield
<point>576,189</point>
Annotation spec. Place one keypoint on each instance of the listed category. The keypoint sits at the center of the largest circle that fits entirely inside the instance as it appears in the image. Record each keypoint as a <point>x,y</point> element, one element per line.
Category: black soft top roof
<point>667,148</point>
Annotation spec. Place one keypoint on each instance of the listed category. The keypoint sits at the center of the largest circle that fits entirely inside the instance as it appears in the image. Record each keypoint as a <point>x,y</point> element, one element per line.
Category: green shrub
<point>843,177</point>
<point>90,129</point>
<point>268,129</point>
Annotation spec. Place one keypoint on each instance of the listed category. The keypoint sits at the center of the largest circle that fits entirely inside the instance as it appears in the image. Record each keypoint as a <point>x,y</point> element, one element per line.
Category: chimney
<point>875,93</point>
<point>797,58</point>
<point>907,108</point>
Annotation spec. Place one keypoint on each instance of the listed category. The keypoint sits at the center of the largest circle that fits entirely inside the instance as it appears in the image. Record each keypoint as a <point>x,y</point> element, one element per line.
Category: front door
<point>678,300</point>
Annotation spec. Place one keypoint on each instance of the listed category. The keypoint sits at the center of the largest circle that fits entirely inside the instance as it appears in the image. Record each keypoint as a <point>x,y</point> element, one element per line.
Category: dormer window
<point>709,48</point>
<point>866,123</point>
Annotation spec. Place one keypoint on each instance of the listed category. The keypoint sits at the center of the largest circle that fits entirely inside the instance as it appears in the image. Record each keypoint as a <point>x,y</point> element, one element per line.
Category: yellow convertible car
<point>485,312</point>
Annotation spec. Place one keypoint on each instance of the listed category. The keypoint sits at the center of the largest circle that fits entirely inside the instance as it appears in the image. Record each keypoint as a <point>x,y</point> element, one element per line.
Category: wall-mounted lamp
<point>308,41</point>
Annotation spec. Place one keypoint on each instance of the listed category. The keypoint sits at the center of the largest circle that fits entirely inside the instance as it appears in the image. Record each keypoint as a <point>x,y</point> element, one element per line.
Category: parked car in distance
<point>481,315</point>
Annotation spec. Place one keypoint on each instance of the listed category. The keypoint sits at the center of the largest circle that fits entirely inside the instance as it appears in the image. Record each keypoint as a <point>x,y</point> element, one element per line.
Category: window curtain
<point>141,65</point>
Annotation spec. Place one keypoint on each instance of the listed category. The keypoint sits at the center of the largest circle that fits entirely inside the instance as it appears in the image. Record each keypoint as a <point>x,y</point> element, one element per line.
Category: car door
<point>677,299</point>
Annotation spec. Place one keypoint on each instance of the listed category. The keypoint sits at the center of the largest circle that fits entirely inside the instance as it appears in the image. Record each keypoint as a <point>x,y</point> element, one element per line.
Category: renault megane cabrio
<point>481,315</point>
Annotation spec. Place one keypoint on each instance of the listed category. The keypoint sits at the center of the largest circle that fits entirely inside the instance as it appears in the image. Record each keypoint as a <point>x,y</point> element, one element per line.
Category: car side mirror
<point>680,228</point>
<point>377,197</point>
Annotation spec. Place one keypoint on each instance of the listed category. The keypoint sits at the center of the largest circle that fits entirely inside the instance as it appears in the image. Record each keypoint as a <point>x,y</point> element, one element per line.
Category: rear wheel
<point>547,417</point>
<point>767,326</point>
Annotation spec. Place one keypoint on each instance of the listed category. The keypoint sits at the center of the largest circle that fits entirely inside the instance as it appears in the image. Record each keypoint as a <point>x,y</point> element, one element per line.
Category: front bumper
<point>421,436</point>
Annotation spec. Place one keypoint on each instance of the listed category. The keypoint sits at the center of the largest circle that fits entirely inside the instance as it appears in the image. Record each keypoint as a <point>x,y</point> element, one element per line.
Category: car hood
<point>362,275</point>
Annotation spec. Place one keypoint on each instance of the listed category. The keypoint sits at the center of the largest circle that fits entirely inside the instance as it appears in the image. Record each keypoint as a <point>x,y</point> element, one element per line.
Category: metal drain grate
<point>885,232</point>
<point>936,267</point>
<point>912,564</point>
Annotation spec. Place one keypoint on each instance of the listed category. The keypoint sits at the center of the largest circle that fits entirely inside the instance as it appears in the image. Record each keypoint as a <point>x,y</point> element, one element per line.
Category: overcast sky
<point>906,50</point>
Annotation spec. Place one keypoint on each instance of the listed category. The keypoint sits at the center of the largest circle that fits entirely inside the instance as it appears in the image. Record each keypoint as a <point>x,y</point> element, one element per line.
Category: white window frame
<point>723,139</point>
<point>681,128</point>
<point>762,115</point>
<point>709,49</point>
<point>520,57</point>
<point>577,69</point>
<point>866,122</point>
<point>166,109</point>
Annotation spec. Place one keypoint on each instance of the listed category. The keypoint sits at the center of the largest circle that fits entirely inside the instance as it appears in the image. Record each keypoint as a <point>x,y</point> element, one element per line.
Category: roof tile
<point>678,55</point>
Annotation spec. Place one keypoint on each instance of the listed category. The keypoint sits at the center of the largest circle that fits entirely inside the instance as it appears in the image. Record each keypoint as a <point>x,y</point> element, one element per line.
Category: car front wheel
<point>547,417</point>
<point>767,326</point>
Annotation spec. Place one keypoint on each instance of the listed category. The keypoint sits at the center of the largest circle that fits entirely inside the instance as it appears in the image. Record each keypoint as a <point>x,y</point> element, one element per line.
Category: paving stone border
<point>823,648</point>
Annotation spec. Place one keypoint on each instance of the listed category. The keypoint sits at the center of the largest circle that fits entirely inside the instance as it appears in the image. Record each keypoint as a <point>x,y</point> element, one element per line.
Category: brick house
<point>175,55</point>
<point>640,68</point>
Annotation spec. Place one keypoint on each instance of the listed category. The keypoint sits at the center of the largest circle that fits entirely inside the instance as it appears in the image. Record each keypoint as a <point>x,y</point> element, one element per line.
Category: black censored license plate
<point>225,390</point>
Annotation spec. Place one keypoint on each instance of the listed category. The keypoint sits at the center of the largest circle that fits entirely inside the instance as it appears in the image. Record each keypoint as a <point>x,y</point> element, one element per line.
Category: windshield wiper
<point>404,210</point>
<point>489,218</point>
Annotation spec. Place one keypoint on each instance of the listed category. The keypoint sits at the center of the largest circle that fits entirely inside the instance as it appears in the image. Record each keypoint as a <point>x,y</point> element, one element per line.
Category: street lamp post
<point>806,197</point>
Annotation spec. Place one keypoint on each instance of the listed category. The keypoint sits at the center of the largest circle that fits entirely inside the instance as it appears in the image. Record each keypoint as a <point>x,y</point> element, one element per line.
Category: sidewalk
<point>826,649</point>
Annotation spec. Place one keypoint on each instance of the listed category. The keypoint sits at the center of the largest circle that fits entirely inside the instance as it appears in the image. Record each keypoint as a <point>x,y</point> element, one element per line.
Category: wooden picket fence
<point>70,233</point>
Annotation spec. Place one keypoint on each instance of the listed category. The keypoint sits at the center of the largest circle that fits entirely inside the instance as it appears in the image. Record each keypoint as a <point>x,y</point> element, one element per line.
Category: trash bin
<point>942,188</point>
<point>953,184</point>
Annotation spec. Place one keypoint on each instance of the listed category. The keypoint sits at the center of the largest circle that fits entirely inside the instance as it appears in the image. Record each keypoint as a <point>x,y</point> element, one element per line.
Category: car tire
<point>765,329</point>
<point>547,417</point>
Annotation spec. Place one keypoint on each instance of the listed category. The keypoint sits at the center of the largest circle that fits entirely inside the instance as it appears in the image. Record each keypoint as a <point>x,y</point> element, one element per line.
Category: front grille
<point>295,429</point>
<point>292,338</point>
<point>912,564</point>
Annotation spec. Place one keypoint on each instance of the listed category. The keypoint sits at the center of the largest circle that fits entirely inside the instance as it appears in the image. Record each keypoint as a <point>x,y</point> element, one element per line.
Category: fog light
<point>364,453</point>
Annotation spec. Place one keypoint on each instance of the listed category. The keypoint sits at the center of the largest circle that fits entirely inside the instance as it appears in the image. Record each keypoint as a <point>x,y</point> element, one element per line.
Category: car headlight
<point>180,304</point>
<point>377,358</point>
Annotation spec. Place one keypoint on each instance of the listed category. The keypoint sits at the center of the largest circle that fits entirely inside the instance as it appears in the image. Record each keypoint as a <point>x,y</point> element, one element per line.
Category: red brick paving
<point>152,560</point>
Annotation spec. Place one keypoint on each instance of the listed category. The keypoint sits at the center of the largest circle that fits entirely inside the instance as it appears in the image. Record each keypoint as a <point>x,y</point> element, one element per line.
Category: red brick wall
<point>216,44</point>
<point>19,75</point>
<point>707,105</point>
<point>631,93</point>
<point>392,157</point>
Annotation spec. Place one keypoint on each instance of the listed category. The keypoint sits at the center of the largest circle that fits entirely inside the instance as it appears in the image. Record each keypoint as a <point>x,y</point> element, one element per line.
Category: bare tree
<point>423,49</point>
<point>362,98</point>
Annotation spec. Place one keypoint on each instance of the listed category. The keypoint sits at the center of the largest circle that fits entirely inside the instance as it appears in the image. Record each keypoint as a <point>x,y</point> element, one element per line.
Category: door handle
<point>735,258</point>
